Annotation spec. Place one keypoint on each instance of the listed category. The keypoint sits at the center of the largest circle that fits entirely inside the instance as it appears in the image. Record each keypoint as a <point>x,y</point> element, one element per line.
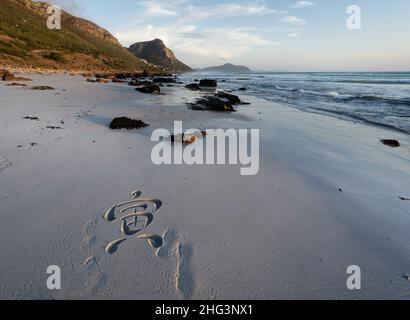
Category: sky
<point>270,35</point>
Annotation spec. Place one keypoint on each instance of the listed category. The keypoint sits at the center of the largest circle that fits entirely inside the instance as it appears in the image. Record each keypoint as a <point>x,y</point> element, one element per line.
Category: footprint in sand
<point>95,279</point>
<point>4,163</point>
<point>184,279</point>
<point>89,231</point>
<point>169,238</point>
<point>134,216</point>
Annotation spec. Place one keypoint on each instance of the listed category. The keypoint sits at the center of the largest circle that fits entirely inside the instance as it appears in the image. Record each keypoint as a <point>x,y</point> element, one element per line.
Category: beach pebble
<point>391,143</point>
<point>127,123</point>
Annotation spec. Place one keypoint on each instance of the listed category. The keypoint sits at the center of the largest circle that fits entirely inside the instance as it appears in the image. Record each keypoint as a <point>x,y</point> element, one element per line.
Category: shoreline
<point>288,232</point>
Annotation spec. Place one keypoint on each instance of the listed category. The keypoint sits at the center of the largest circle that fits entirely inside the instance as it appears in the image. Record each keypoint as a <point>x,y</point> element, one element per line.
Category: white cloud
<point>295,34</point>
<point>186,11</point>
<point>190,30</point>
<point>303,4</point>
<point>293,20</point>
<point>158,8</point>
<point>190,42</point>
<point>155,10</point>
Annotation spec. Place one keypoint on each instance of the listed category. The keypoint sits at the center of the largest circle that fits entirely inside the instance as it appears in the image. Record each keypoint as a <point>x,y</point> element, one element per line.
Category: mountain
<point>228,68</point>
<point>157,53</point>
<point>25,41</point>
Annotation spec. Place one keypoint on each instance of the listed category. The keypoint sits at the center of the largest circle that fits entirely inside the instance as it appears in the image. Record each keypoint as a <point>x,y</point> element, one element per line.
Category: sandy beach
<point>327,196</point>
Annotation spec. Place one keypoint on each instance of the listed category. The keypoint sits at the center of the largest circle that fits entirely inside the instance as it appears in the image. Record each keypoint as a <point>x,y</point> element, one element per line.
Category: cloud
<point>295,34</point>
<point>293,20</point>
<point>190,30</point>
<point>185,11</point>
<point>155,10</point>
<point>190,42</point>
<point>302,4</point>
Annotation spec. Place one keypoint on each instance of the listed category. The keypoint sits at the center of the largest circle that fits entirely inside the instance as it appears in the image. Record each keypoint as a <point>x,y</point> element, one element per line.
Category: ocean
<point>380,98</point>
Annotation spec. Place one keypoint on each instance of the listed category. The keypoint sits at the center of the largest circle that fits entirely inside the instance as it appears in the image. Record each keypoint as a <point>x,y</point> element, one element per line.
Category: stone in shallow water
<point>208,83</point>
<point>193,87</point>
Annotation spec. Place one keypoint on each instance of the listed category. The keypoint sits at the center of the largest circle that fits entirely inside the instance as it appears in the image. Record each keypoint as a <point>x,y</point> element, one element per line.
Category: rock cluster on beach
<point>220,101</point>
<point>230,97</point>
<point>212,103</point>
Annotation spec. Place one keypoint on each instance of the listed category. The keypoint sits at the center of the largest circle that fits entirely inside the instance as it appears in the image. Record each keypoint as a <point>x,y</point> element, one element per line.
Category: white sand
<point>285,233</point>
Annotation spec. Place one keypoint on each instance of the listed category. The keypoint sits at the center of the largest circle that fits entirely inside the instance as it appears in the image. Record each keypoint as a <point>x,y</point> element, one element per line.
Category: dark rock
<point>134,83</point>
<point>404,199</point>
<point>147,83</point>
<point>127,123</point>
<point>242,89</point>
<point>208,83</point>
<point>164,80</point>
<point>193,87</point>
<point>117,80</point>
<point>15,84</point>
<point>123,76</point>
<point>99,75</point>
<point>391,143</point>
<point>230,97</point>
<point>8,76</point>
<point>42,88</point>
<point>212,104</point>
<point>91,80</point>
<point>150,89</point>
<point>102,80</point>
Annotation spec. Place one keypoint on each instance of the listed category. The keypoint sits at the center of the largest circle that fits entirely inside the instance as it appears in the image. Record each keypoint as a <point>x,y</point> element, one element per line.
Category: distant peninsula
<point>231,68</point>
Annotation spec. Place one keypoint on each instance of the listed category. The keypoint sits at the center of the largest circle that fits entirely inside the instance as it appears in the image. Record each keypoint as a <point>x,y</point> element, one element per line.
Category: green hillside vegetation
<point>25,40</point>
